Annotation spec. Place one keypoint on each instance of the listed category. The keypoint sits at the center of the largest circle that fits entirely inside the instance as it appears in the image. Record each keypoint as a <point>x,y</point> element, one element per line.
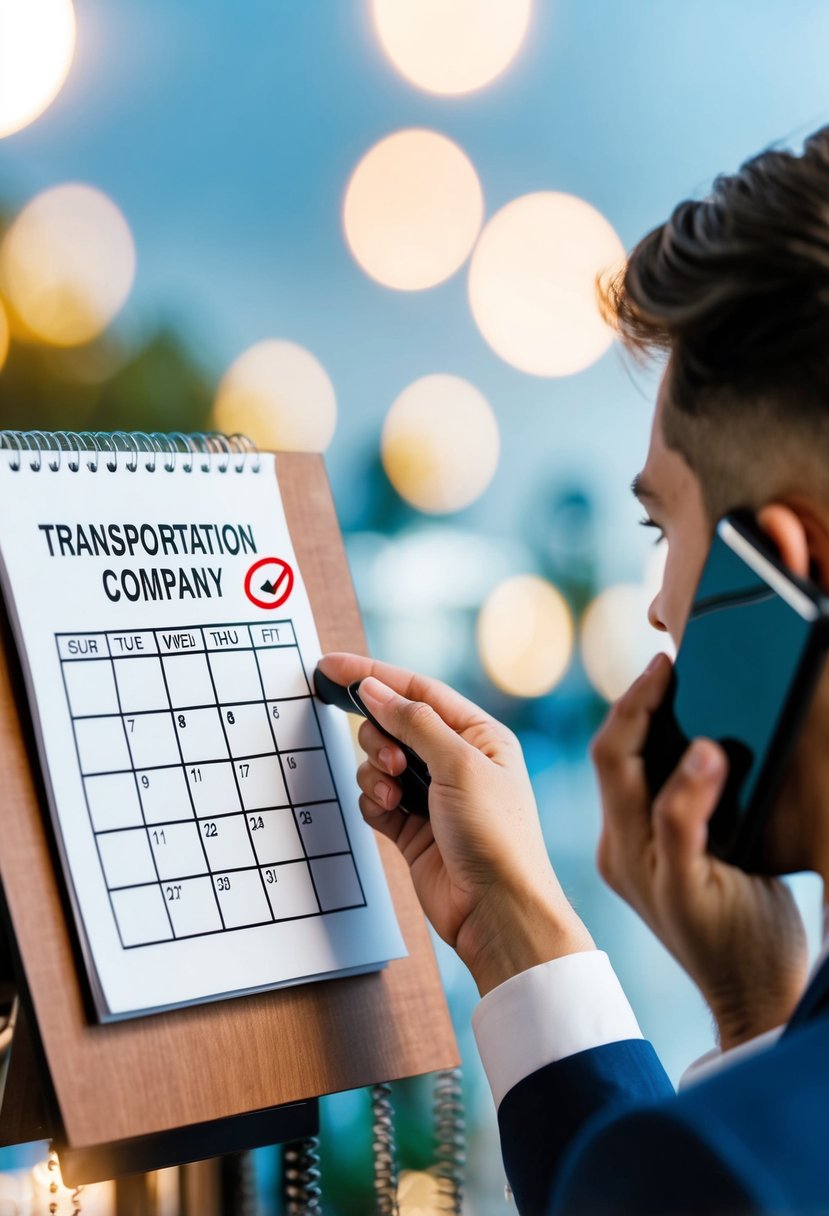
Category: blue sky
<point>226,134</point>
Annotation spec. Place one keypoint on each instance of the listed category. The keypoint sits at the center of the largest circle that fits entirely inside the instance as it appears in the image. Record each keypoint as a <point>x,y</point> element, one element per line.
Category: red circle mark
<point>282,585</point>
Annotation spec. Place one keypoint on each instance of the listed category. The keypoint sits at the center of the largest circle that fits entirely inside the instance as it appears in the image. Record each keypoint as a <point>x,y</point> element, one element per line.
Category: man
<point>735,290</point>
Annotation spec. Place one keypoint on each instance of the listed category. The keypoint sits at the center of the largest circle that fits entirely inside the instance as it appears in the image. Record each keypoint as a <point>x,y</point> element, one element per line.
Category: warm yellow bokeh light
<point>451,46</point>
<point>67,264</point>
<point>280,395</point>
<point>525,636</point>
<point>37,43</point>
<point>532,283</point>
<point>617,642</point>
<point>420,1193</point>
<point>440,444</point>
<point>4,336</point>
<point>413,210</point>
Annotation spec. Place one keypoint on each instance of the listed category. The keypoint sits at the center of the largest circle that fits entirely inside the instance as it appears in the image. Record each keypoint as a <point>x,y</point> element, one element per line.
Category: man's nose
<point>654,615</point>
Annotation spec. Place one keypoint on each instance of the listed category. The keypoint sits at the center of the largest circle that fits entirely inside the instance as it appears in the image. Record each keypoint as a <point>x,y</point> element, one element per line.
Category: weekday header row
<point>121,644</point>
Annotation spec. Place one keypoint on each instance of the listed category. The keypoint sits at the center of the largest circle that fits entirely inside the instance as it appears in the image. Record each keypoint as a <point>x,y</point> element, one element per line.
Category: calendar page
<point>204,801</point>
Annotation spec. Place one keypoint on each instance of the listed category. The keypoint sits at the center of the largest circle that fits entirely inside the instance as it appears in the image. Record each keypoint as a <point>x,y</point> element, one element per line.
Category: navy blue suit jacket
<point>602,1132</point>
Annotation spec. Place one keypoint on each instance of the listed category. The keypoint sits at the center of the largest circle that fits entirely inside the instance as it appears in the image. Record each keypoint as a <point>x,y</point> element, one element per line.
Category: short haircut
<point>734,289</point>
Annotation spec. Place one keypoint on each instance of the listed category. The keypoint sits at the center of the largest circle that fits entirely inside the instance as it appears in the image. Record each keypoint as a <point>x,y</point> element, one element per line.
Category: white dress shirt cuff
<point>554,1010</point>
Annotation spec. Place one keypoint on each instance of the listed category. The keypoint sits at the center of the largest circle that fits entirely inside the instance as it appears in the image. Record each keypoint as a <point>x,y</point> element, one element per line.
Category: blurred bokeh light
<point>617,642</point>
<point>451,46</point>
<point>532,282</point>
<point>67,264</point>
<point>280,395</point>
<point>413,209</point>
<point>4,336</point>
<point>440,443</point>
<point>37,44</point>
<point>525,636</point>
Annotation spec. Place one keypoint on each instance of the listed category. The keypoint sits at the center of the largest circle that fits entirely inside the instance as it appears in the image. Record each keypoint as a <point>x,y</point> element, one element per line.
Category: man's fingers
<point>378,786</point>
<point>685,804</point>
<point>626,726</point>
<point>419,726</point>
<point>381,751</point>
<point>455,710</point>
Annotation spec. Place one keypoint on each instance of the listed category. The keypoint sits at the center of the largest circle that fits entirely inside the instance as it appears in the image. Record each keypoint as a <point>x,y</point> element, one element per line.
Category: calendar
<point>203,801</point>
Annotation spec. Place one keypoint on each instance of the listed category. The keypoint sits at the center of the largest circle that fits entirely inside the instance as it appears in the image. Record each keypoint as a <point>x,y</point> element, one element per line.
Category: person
<point>734,291</point>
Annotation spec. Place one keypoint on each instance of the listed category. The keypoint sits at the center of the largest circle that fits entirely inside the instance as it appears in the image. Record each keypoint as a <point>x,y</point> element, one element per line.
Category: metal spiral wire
<point>129,449</point>
<point>301,1178</point>
<point>385,1151</point>
<point>450,1139</point>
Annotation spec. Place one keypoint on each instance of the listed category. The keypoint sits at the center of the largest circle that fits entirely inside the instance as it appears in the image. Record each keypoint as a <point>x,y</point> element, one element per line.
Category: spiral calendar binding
<point>124,449</point>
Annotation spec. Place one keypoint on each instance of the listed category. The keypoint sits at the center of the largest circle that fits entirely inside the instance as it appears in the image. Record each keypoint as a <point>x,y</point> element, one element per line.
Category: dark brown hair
<point>735,289</point>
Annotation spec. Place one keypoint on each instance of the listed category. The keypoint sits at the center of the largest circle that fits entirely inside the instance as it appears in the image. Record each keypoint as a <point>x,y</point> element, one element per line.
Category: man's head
<point>734,291</point>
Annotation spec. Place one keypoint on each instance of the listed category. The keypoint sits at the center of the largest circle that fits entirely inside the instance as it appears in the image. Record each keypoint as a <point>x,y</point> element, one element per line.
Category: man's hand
<point>739,937</point>
<point>479,864</point>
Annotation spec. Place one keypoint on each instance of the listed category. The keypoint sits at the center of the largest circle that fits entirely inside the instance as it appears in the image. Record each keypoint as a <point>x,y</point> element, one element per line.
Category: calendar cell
<point>235,676</point>
<point>242,899</point>
<point>140,684</point>
<point>113,801</point>
<point>141,915</point>
<point>279,633</point>
<point>308,776</point>
<point>177,850</point>
<point>227,843</point>
<point>102,745</point>
<point>260,783</point>
<point>282,673</point>
<point>290,890</point>
<point>188,680</point>
<point>322,828</point>
<point>126,858</point>
<point>200,734</point>
<point>213,789</point>
<point>337,883</point>
<point>294,724</point>
<point>247,729</point>
<point>91,687</point>
<point>275,836</point>
<point>164,795</point>
<point>151,738</point>
<point>192,907</point>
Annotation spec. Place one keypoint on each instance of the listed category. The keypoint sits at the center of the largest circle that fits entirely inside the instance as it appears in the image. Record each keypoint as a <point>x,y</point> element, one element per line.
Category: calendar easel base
<point>214,1077</point>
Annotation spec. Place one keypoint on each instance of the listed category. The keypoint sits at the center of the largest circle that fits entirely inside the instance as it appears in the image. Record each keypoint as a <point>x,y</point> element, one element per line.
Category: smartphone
<point>750,657</point>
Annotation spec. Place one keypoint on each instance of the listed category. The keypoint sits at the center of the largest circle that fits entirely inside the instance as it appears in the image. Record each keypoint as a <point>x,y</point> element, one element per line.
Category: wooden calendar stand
<point>172,1087</point>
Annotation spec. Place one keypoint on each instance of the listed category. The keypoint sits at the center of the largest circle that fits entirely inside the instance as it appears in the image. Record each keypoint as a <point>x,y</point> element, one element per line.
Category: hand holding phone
<point>750,657</point>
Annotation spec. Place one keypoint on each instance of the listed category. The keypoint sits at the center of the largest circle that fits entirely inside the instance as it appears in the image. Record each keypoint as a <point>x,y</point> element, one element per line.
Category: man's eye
<point>647,522</point>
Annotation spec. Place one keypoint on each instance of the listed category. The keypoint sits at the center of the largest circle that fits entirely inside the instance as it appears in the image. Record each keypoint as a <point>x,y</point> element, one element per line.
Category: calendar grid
<point>208,786</point>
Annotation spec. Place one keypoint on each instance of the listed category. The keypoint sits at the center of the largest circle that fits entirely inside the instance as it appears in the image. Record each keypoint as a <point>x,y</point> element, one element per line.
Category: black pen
<point>415,778</point>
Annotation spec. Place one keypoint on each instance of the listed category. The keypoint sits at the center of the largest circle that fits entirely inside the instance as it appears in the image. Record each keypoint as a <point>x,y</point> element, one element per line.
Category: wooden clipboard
<point>209,1075</point>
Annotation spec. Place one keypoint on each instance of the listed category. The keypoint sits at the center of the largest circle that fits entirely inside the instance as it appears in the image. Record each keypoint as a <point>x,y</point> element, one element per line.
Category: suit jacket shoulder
<point>608,1137</point>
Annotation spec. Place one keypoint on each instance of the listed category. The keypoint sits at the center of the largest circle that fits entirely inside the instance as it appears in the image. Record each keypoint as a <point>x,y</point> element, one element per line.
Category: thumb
<point>686,803</point>
<point>420,727</point>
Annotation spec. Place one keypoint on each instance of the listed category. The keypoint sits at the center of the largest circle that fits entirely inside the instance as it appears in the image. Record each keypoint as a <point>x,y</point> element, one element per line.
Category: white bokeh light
<point>413,210</point>
<point>440,443</point>
<point>617,641</point>
<point>37,43</point>
<point>532,283</point>
<point>280,395</point>
<point>451,46</point>
<point>525,636</point>
<point>67,264</point>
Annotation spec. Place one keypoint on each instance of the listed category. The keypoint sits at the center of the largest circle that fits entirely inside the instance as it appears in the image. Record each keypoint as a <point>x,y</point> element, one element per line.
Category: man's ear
<point>801,538</point>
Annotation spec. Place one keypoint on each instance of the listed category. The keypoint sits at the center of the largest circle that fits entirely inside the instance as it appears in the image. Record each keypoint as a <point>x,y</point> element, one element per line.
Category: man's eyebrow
<point>640,489</point>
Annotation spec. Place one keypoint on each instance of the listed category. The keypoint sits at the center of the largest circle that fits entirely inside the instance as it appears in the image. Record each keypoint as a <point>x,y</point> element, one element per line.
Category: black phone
<point>749,660</point>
